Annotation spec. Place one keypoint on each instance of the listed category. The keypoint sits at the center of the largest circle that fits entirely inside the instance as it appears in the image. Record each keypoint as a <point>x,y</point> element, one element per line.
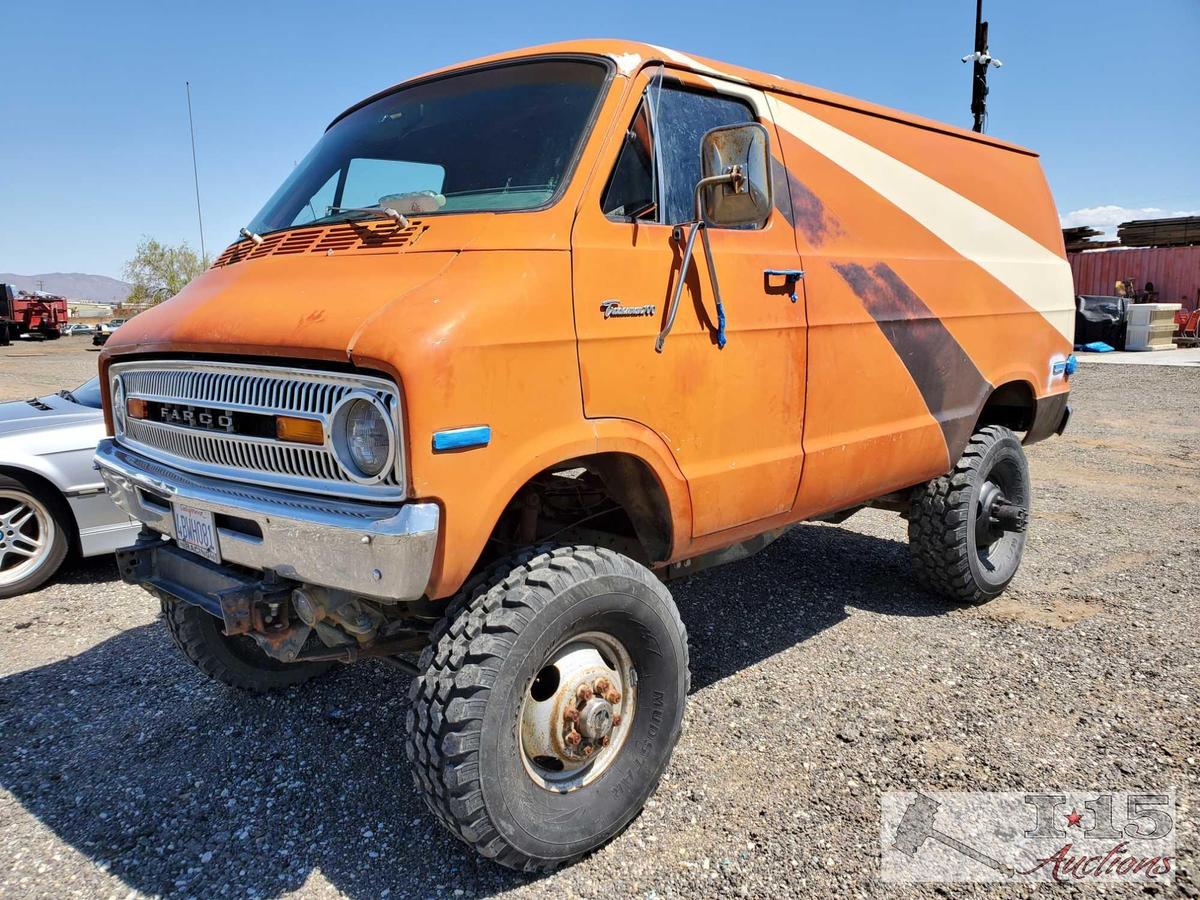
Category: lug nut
<point>571,714</point>
<point>587,751</point>
<point>573,738</point>
<point>602,686</point>
<point>604,741</point>
<point>584,694</point>
<point>616,720</point>
<point>613,696</point>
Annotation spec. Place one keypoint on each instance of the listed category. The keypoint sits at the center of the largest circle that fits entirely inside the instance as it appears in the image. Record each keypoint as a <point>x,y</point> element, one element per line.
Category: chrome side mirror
<point>734,189</point>
<point>735,162</point>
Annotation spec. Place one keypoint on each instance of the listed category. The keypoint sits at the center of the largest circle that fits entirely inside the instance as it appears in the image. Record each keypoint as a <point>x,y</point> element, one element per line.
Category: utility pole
<point>195,173</point>
<point>981,60</point>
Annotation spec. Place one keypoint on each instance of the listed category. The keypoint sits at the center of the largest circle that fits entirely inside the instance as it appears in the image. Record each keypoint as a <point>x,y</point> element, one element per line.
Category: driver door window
<point>681,118</point>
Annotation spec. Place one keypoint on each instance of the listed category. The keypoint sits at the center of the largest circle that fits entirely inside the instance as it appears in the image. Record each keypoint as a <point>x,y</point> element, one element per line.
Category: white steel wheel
<point>32,542</point>
<point>577,712</point>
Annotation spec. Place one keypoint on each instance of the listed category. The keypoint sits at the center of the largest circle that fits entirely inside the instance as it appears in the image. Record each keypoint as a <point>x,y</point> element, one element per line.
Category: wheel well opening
<point>608,500</point>
<point>1011,405</point>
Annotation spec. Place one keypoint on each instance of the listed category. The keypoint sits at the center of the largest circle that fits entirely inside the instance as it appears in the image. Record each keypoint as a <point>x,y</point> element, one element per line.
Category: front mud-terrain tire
<point>966,528</point>
<point>485,675</point>
<point>234,661</point>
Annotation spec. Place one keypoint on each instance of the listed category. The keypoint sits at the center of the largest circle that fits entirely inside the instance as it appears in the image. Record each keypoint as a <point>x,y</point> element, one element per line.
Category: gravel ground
<point>821,678</point>
<point>36,368</point>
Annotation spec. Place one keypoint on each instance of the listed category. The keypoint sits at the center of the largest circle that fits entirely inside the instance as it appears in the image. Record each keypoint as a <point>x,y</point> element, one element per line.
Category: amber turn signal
<point>299,431</point>
<point>136,408</point>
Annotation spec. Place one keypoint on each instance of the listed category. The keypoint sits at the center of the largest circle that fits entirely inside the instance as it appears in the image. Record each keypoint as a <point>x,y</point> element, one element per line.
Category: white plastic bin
<point>1150,337</point>
<point>1152,313</point>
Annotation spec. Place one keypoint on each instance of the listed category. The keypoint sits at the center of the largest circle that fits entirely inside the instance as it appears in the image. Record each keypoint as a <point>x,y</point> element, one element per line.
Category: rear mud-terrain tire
<point>948,560</point>
<point>53,524</point>
<point>463,742</point>
<point>234,661</point>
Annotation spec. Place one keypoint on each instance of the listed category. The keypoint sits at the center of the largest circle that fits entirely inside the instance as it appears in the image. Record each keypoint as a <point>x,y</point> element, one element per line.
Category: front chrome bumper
<point>376,551</point>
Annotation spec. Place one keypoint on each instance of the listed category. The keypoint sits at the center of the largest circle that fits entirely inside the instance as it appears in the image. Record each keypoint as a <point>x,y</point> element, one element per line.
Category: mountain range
<point>72,285</point>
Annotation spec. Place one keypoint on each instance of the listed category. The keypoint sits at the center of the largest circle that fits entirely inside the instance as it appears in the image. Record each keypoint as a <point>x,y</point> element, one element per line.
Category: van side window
<point>681,117</point>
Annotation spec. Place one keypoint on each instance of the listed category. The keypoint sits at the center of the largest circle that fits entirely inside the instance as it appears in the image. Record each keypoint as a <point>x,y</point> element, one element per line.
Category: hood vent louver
<point>38,404</point>
<point>344,237</point>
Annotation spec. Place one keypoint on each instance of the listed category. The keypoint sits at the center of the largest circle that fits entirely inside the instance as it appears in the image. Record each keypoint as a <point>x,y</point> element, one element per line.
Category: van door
<point>733,416</point>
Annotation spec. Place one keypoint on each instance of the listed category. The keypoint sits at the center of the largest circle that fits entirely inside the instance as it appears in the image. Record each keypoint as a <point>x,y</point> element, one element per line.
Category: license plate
<point>196,532</point>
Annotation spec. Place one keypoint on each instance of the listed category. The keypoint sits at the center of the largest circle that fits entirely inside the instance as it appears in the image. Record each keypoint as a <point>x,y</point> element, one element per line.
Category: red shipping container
<point>1174,272</point>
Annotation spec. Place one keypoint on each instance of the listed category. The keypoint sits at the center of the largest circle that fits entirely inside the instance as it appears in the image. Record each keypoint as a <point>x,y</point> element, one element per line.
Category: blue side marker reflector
<point>462,438</point>
<point>1072,364</point>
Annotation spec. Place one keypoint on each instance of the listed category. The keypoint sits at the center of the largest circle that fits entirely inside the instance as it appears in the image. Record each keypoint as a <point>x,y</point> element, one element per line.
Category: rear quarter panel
<point>935,272</point>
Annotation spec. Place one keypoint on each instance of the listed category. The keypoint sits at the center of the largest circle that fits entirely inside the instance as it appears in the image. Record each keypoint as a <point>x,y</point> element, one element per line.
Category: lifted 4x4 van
<point>521,339</point>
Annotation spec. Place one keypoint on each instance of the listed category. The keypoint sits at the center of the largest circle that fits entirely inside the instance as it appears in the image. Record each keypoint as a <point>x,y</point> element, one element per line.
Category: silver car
<point>52,501</point>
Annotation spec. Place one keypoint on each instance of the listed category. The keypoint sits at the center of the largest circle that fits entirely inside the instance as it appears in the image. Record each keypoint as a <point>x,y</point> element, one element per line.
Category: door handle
<point>789,276</point>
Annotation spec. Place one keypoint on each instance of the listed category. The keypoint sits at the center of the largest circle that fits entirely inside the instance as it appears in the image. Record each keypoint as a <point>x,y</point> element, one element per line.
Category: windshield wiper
<point>395,215</point>
<point>68,396</point>
<point>247,233</point>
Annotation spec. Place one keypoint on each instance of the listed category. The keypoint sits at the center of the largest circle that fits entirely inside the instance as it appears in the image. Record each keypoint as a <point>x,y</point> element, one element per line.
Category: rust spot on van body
<point>950,383</point>
<point>803,209</point>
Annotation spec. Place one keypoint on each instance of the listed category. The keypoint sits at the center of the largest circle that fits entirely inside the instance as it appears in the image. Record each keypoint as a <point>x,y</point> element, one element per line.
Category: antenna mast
<point>195,172</point>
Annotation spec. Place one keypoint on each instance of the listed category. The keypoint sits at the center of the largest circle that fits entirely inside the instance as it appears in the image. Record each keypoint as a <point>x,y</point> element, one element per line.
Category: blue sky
<point>95,152</point>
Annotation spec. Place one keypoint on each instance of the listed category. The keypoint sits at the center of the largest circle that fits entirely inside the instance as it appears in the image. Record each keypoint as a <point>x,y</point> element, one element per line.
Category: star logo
<point>1074,819</point>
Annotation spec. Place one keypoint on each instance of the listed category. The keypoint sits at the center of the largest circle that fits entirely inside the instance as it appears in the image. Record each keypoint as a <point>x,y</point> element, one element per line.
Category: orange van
<point>521,339</point>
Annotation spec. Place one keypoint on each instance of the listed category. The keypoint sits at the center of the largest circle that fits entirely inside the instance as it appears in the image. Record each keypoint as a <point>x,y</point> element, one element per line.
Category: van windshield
<point>496,139</point>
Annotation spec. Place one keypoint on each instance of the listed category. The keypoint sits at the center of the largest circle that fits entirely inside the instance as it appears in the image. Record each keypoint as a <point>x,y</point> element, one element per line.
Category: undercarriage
<point>290,621</point>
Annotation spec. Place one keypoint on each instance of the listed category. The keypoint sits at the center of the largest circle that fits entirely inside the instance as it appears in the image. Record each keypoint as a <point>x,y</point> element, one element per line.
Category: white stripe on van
<point>1035,274</point>
<point>684,60</point>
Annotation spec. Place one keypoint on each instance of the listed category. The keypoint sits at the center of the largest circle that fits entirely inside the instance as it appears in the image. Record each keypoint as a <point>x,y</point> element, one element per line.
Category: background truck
<point>522,340</point>
<point>37,313</point>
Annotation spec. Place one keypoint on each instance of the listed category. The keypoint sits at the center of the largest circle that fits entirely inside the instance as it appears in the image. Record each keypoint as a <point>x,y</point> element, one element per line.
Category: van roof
<point>631,55</point>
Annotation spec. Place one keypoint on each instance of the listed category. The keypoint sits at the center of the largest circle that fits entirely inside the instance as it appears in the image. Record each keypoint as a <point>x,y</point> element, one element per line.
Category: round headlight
<point>118,405</point>
<point>363,438</point>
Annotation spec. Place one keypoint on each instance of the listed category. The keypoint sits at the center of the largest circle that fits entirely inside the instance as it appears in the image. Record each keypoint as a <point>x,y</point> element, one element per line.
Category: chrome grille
<point>267,390</point>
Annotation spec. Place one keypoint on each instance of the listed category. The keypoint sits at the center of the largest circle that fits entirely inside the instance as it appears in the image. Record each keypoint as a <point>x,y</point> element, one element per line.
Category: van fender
<point>1049,390</point>
<point>468,531</point>
<point>1048,378</point>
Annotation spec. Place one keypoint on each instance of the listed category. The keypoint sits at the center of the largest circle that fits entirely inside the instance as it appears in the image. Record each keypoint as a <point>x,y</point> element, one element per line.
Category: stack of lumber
<point>1178,232</point>
<point>1080,238</point>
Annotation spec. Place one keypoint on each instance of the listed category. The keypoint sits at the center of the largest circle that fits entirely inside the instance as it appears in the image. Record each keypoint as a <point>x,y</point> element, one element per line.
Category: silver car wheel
<point>27,532</point>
